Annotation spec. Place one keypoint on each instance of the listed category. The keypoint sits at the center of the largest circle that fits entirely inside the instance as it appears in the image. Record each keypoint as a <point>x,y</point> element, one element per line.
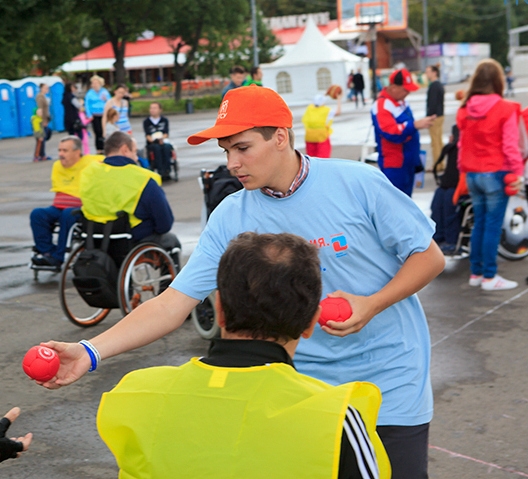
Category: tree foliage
<point>192,21</point>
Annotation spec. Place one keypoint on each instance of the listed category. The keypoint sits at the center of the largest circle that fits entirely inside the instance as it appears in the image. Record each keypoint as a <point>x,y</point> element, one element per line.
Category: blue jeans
<point>42,221</point>
<point>489,206</point>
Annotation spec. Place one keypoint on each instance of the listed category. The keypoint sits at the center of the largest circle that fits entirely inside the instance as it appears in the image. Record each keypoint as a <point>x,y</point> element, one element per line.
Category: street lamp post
<point>85,42</point>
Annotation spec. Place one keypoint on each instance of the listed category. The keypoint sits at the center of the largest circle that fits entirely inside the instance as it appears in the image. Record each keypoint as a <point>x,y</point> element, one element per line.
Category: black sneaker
<point>44,260</point>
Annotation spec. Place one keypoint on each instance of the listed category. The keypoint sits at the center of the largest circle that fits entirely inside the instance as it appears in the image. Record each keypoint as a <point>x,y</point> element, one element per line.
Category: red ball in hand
<point>510,178</point>
<point>511,190</point>
<point>41,363</point>
<point>334,309</point>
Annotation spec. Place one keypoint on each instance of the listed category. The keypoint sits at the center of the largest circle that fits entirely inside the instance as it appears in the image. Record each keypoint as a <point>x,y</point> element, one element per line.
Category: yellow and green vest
<point>316,127</point>
<point>67,180</point>
<point>199,421</point>
<point>107,189</point>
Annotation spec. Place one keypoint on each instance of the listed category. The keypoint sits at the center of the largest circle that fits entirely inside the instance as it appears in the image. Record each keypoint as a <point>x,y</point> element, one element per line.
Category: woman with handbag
<point>72,105</point>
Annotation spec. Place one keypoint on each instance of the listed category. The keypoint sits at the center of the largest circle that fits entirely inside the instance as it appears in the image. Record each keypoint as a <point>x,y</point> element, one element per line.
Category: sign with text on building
<point>296,21</point>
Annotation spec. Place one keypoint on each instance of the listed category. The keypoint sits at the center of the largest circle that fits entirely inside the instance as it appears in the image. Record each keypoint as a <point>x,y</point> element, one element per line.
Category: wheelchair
<point>513,244</point>
<point>74,238</point>
<point>144,270</point>
<point>174,166</point>
<point>216,185</point>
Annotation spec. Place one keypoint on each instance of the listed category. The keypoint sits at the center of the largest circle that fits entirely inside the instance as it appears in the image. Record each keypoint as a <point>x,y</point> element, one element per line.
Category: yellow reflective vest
<point>199,421</point>
<point>107,189</point>
<point>67,180</point>
<point>316,127</point>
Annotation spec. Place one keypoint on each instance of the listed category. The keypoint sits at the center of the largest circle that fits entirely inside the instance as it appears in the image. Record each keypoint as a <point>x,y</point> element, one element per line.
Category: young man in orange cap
<point>375,247</point>
<point>397,132</point>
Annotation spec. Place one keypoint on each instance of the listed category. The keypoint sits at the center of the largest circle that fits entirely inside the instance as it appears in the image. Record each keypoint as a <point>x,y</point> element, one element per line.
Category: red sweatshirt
<point>489,135</point>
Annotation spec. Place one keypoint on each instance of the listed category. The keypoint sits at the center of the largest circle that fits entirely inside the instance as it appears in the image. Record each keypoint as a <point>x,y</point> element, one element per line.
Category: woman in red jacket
<point>488,150</point>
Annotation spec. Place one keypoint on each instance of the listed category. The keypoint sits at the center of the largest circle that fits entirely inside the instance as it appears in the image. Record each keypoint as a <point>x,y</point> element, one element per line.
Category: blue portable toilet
<point>8,111</point>
<point>56,107</point>
<point>25,92</point>
<point>56,91</point>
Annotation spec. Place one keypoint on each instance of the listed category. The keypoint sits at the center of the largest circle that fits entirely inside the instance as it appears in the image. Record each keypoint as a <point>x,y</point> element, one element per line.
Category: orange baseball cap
<point>244,108</point>
<point>403,78</point>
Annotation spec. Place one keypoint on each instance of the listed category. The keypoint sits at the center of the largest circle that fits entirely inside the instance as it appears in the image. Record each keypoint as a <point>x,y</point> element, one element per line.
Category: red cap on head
<point>244,108</point>
<point>403,78</point>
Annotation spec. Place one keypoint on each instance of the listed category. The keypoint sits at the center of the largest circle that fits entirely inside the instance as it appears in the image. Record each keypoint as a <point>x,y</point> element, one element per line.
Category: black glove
<point>8,448</point>
<point>418,168</point>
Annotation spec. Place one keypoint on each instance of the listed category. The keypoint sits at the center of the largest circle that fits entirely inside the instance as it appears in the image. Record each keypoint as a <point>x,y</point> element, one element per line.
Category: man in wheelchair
<point>156,129</point>
<point>65,179</point>
<point>120,184</point>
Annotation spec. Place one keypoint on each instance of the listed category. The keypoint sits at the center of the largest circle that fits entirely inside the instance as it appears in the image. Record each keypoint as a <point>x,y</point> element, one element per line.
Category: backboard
<point>387,15</point>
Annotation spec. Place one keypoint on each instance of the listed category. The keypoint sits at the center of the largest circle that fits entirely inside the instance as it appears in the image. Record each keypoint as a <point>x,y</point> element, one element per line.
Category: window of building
<point>284,83</point>
<point>324,78</point>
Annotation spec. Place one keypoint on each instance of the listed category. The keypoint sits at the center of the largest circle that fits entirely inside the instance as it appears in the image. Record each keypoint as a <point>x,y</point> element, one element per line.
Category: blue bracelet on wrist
<point>93,358</point>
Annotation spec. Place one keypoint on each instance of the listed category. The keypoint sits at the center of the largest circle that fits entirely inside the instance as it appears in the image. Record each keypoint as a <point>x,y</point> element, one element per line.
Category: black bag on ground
<point>219,185</point>
<point>95,272</point>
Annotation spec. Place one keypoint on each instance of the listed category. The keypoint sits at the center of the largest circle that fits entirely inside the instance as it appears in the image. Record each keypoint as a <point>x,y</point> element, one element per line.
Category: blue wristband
<point>93,358</point>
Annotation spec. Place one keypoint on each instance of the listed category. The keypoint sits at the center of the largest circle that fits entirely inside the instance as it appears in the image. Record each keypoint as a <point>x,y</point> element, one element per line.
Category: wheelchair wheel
<point>146,272</point>
<point>204,318</point>
<point>72,303</point>
<point>514,239</point>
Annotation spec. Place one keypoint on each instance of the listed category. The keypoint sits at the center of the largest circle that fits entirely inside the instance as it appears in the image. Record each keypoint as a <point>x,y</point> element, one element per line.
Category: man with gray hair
<point>65,180</point>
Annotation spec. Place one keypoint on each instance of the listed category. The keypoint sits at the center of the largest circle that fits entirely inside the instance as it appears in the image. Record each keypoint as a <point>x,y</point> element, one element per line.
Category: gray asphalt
<point>479,353</point>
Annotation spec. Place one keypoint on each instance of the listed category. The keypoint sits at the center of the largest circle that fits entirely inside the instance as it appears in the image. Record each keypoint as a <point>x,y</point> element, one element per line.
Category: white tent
<point>310,67</point>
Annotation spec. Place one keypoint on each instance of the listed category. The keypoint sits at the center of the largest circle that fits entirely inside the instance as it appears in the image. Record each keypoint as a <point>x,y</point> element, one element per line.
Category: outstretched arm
<point>416,272</point>
<point>11,448</point>
<point>150,321</point>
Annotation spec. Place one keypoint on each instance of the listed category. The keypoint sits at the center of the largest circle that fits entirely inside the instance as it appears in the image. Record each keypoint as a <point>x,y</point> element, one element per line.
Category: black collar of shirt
<point>245,353</point>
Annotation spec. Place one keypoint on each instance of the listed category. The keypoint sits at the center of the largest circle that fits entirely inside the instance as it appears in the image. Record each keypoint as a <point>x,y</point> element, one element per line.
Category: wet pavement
<point>480,340</point>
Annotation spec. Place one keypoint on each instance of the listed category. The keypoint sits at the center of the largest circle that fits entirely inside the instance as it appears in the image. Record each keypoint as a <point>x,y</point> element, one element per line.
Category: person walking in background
<point>317,121</point>
<point>85,134</point>
<point>119,103</point>
<point>350,85</point>
<point>396,131</point>
<point>43,102</point>
<point>254,77</point>
<point>359,86</point>
<point>238,75</point>
<point>435,106</point>
<point>72,122</point>
<point>489,149</point>
<point>509,82</point>
<point>94,103</point>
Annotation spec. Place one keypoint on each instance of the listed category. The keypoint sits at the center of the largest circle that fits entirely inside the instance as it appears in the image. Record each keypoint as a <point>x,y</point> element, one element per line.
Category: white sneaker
<point>497,283</point>
<point>475,280</point>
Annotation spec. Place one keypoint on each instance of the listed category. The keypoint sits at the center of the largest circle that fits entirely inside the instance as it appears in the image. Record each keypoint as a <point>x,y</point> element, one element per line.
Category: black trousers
<point>407,447</point>
<point>162,157</point>
<point>97,125</point>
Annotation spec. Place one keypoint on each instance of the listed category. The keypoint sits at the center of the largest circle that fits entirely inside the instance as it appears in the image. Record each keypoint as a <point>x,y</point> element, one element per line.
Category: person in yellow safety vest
<point>120,184</point>
<point>65,180</point>
<point>243,411</point>
<point>317,121</point>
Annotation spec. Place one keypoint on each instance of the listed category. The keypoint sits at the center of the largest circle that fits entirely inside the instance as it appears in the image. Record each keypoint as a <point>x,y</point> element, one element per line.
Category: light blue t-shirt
<point>365,228</point>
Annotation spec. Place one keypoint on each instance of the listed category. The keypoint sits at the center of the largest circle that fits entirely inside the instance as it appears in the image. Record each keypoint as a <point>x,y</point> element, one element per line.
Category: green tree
<point>188,22</point>
<point>123,21</point>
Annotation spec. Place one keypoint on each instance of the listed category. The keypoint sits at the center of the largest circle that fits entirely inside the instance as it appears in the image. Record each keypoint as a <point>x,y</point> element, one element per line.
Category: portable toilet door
<point>56,106</point>
<point>26,94</point>
<point>8,111</point>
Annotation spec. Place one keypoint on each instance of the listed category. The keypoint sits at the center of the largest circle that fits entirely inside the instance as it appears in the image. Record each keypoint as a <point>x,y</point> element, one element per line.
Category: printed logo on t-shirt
<point>222,112</point>
<point>337,241</point>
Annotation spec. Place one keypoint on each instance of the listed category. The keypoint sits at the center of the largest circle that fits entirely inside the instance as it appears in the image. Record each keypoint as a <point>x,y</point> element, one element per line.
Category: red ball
<point>41,363</point>
<point>510,178</point>
<point>334,91</point>
<point>510,190</point>
<point>334,309</point>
